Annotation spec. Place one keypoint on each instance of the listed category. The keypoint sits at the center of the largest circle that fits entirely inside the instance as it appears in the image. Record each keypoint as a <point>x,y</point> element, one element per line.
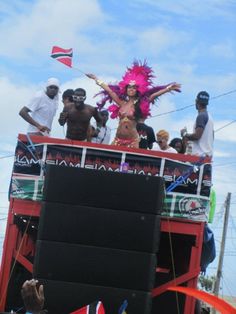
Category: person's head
<point>202,100</point>
<point>177,144</point>
<point>162,137</point>
<point>139,75</point>
<point>67,96</point>
<point>79,96</point>
<point>105,116</point>
<point>132,89</point>
<point>52,87</point>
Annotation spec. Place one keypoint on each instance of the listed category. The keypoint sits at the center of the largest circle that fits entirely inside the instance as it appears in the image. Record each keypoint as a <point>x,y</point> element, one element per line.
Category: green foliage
<point>206,282</point>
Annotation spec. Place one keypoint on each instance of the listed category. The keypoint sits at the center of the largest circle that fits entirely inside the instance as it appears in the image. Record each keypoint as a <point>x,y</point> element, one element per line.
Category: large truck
<point>100,222</point>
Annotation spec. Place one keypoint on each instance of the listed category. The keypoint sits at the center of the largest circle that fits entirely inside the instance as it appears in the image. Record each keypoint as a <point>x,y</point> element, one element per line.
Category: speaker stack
<point>97,240</point>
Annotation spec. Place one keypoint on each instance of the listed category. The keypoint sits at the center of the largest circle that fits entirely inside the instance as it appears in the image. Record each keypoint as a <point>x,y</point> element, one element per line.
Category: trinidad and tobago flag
<point>93,308</point>
<point>62,55</point>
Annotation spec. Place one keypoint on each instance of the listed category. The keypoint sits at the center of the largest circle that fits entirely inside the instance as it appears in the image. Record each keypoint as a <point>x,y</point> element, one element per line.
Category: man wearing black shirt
<point>146,135</point>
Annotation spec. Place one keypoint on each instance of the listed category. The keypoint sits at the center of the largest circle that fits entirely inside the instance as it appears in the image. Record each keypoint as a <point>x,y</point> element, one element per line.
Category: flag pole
<point>73,68</point>
<point>64,56</point>
<point>76,69</point>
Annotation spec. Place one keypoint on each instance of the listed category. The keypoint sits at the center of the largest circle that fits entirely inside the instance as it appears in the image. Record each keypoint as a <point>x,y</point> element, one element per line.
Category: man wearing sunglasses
<point>39,113</point>
<point>77,116</point>
<point>162,141</point>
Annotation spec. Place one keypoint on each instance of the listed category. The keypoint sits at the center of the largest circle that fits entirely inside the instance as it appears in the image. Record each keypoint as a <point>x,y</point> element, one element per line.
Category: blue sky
<point>190,42</point>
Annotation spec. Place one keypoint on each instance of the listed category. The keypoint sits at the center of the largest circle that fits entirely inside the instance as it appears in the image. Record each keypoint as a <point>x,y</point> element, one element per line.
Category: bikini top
<point>126,113</point>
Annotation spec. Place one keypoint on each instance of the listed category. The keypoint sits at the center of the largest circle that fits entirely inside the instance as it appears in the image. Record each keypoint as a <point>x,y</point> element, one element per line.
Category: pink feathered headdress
<point>140,75</point>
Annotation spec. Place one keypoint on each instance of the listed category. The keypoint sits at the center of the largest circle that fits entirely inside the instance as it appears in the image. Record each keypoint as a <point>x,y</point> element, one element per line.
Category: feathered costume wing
<point>139,74</point>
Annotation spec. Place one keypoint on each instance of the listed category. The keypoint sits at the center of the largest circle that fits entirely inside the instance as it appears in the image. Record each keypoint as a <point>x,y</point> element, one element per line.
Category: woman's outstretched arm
<point>169,88</point>
<point>112,94</point>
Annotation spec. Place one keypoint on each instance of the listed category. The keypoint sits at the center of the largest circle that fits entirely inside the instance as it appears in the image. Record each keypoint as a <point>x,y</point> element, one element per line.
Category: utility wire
<point>225,164</point>
<point>186,107</point>
<point>7,156</point>
<point>227,286</point>
<point>224,94</point>
<point>224,126</point>
<point>183,108</point>
<point>171,111</point>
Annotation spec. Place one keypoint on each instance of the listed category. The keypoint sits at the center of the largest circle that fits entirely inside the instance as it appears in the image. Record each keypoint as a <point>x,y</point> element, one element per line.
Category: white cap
<point>53,81</point>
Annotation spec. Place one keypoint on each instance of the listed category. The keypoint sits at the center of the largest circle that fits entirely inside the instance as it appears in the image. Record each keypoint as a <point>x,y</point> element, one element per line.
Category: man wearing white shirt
<point>102,135</point>
<point>203,129</point>
<point>39,113</point>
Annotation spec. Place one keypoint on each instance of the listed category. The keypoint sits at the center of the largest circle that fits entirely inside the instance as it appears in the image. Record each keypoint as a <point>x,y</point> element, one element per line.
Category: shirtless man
<point>77,115</point>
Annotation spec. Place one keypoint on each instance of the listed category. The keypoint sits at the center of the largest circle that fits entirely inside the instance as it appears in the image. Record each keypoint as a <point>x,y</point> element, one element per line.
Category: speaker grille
<point>99,227</point>
<point>94,265</point>
<point>104,189</point>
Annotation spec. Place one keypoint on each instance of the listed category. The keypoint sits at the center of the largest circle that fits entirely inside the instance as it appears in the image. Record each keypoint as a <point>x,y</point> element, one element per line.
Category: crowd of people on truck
<point>129,101</point>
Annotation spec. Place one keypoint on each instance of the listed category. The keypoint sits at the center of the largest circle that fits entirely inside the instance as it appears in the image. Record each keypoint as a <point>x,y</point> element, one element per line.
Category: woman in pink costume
<point>132,97</point>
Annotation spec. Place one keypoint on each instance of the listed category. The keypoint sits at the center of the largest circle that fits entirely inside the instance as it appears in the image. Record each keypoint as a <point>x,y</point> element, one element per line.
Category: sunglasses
<point>132,86</point>
<point>78,97</point>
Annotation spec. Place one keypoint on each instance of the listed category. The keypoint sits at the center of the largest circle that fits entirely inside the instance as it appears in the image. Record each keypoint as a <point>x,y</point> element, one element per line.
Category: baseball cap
<point>52,81</point>
<point>203,97</point>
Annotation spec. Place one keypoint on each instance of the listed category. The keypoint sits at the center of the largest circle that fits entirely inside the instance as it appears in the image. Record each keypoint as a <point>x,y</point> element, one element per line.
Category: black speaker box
<point>65,297</point>
<point>169,302</point>
<point>94,265</point>
<point>103,189</point>
<point>99,227</point>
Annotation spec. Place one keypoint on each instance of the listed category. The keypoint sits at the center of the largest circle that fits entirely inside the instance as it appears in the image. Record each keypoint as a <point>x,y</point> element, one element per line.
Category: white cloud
<point>5,170</point>
<point>191,8</point>
<point>192,78</point>
<point>223,49</point>
<point>163,122</point>
<point>221,154</point>
<point>192,81</point>
<point>224,180</point>
<point>7,148</point>
<point>15,97</point>
<point>160,39</point>
<point>49,23</point>
<point>226,134</point>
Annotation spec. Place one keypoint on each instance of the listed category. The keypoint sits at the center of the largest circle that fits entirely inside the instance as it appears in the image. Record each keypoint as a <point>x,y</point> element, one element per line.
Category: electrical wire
<point>225,164</point>
<point>7,156</point>
<point>186,107</point>
<point>224,126</point>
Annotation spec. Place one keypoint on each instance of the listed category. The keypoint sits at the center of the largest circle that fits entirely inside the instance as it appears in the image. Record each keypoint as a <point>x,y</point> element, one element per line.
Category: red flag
<point>62,55</point>
<point>94,308</point>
